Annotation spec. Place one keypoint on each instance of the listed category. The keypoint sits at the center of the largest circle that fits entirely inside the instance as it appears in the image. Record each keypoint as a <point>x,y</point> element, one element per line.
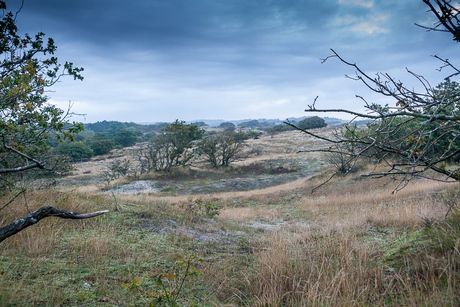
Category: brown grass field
<point>350,243</point>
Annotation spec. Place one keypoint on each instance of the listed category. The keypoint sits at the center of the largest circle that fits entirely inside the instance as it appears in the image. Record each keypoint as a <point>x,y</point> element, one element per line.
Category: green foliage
<point>110,126</point>
<point>223,148</point>
<point>101,147</point>
<point>104,136</point>
<point>416,137</point>
<point>255,124</point>
<point>249,124</point>
<point>173,147</point>
<point>282,127</point>
<point>411,252</point>
<point>27,120</point>
<point>312,123</point>
<point>227,126</point>
<point>250,134</point>
<point>201,208</point>
<point>241,136</point>
<point>126,137</point>
<point>200,124</point>
<point>117,169</point>
<point>75,150</point>
<point>168,287</point>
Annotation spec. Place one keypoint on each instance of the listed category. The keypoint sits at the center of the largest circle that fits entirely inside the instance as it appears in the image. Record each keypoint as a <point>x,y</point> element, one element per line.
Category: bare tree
<point>416,135</point>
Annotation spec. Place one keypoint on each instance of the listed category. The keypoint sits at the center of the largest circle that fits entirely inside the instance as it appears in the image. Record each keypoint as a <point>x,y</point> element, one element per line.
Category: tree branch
<point>42,213</point>
<point>25,167</point>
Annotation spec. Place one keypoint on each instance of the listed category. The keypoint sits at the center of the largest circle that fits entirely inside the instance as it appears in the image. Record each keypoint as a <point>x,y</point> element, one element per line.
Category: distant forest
<point>101,137</point>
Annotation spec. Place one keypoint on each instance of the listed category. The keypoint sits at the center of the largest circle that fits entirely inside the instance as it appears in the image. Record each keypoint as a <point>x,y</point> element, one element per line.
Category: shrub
<point>312,123</point>
<point>75,150</point>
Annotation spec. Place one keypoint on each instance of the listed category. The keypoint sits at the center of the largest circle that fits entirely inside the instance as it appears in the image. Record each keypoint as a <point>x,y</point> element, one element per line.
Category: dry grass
<point>351,243</point>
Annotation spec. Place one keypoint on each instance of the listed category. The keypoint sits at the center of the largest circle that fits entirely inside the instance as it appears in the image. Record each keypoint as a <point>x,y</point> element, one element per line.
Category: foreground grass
<point>350,243</point>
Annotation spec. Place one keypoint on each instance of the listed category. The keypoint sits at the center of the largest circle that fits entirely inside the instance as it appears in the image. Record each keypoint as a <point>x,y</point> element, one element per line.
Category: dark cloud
<point>155,60</point>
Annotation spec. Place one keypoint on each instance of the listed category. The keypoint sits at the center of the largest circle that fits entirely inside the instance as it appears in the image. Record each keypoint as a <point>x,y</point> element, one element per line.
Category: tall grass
<point>351,243</point>
<point>341,256</point>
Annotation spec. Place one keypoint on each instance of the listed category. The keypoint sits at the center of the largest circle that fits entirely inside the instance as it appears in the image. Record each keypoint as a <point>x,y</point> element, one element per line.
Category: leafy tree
<point>418,133</point>
<point>126,137</point>
<point>227,126</point>
<point>160,126</point>
<point>255,124</point>
<point>200,124</point>
<point>249,124</point>
<point>181,137</point>
<point>75,150</point>
<point>26,119</point>
<point>282,127</point>
<point>101,146</point>
<point>223,148</point>
<point>311,123</point>
<point>173,147</point>
<point>27,68</point>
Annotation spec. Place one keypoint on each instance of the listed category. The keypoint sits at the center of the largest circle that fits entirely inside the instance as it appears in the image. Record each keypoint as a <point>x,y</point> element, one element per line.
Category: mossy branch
<point>34,217</point>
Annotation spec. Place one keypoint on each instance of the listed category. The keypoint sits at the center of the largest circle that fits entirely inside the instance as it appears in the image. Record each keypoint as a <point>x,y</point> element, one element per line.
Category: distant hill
<point>273,121</point>
<point>331,121</point>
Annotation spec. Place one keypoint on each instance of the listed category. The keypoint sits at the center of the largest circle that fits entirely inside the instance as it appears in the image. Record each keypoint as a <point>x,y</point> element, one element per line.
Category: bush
<point>227,126</point>
<point>200,208</point>
<point>171,148</point>
<point>101,147</point>
<point>75,150</point>
<point>223,148</point>
<point>282,127</point>
<point>117,169</point>
<point>312,123</point>
<point>126,137</point>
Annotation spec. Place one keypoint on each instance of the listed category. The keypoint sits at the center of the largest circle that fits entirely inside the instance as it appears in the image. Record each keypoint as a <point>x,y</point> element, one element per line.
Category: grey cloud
<point>224,55</point>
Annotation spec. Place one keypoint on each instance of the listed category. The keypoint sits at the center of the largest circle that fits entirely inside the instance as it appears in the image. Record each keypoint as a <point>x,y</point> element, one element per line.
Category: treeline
<point>101,137</point>
<point>306,123</point>
<point>313,122</point>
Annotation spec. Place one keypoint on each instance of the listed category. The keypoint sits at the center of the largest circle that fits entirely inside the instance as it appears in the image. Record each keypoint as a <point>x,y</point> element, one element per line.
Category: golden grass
<point>329,248</point>
<point>246,214</point>
<point>331,261</point>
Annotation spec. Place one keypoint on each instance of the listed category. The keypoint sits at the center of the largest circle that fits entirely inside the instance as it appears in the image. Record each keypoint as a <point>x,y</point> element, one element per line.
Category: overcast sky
<point>161,60</point>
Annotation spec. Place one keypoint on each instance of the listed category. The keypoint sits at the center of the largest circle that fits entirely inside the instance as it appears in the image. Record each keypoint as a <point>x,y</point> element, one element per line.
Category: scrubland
<point>353,242</point>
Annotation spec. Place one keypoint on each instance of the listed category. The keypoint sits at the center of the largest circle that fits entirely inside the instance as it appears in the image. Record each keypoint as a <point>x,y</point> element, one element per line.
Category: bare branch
<point>42,213</point>
<point>36,164</point>
<point>447,16</point>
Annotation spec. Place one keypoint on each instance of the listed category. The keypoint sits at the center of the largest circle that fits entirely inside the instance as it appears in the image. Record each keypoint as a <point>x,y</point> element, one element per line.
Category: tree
<point>101,146</point>
<point>223,148</point>
<point>173,147</point>
<point>249,124</point>
<point>26,119</point>
<point>27,68</point>
<point>313,122</point>
<point>200,124</point>
<point>227,126</point>
<point>75,150</point>
<point>126,137</point>
<point>283,127</point>
<point>418,133</point>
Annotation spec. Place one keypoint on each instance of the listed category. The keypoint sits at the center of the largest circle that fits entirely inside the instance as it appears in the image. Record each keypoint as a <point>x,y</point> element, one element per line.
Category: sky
<point>152,61</point>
